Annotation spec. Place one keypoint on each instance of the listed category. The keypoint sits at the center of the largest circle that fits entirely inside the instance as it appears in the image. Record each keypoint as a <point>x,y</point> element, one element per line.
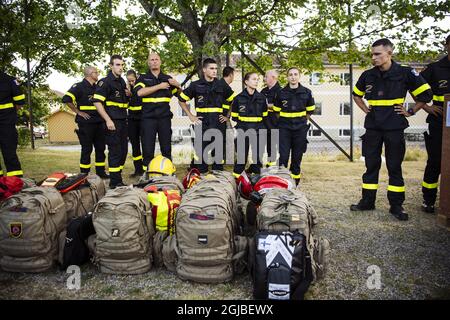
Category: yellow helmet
<point>161,166</point>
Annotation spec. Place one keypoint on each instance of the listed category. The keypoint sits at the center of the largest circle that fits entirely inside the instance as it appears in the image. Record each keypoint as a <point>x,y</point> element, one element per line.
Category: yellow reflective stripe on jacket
<point>6,106</point>
<point>230,98</point>
<point>174,90</point>
<point>100,164</point>
<point>430,185</point>
<point>396,189</point>
<point>155,100</point>
<point>208,109</point>
<point>115,169</point>
<point>71,95</point>
<point>137,158</point>
<point>265,113</point>
<point>358,92</point>
<point>18,98</point>
<point>139,84</point>
<point>85,166</point>
<point>292,114</point>
<point>438,98</point>
<point>275,108</point>
<point>311,108</point>
<point>386,103</point>
<point>99,97</point>
<point>271,164</point>
<point>226,106</point>
<point>421,89</point>
<point>370,186</point>
<point>250,119</point>
<point>116,104</point>
<point>14,173</point>
<point>184,97</point>
<point>135,108</point>
<point>87,108</point>
<point>235,114</point>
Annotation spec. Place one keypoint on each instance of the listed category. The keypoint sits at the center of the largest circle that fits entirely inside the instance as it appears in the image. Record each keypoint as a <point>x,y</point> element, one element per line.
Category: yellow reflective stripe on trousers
<point>311,108</point>
<point>296,176</point>
<point>116,169</point>
<point>6,106</point>
<point>386,103</point>
<point>370,186</point>
<point>121,167</point>
<point>137,158</point>
<point>396,189</point>
<point>292,114</point>
<point>144,168</point>
<point>18,98</point>
<point>358,92</point>
<point>100,164</point>
<point>250,119</point>
<point>99,97</point>
<point>116,104</point>
<point>438,98</point>
<point>184,97</point>
<point>71,95</point>
<point>14,173</point>
<point>85,166</point>
<point>236,175</point>
<point>271,164</point>
<point>430,185</point>
<point>135,108</point>
<point>82,108</point>
<point>209,109</point>
<point>421,89</point>
<point>155,100</point>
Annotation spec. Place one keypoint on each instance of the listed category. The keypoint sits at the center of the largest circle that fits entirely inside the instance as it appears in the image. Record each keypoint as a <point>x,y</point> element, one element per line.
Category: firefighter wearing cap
<point>212,106</point>
<point>11,98</point>
<point>437,74</point>
<point>272,89</point>
<point>294,104</point>
<point>249,110</point>
<point>156,90</point>
<point>91,130</point>
<point>385,87</point>
<point>111,100</point>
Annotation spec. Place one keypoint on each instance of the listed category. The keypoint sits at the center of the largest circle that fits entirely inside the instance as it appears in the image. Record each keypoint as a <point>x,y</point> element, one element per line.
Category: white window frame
<point>342,79</point>
<point>315,76</point>
<point>342,135</point>
<point>342,108</point>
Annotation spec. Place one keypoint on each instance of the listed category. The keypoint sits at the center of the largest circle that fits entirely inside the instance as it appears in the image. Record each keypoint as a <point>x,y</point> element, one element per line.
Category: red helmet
<point>244,185</point>
<point>268,183</point>
<point>192,177</point>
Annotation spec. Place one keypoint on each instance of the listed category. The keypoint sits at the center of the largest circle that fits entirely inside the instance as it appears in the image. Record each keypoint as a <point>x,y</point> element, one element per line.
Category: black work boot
<point>102,174</point>
<point>398,212</point>
<point>428,208</point>
<point>363,205</point>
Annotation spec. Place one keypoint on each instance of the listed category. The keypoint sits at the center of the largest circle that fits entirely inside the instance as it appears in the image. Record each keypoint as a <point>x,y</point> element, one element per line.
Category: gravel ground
<point>413,256</point>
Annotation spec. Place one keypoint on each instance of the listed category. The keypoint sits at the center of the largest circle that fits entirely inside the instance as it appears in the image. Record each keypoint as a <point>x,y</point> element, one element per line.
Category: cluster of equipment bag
<point>204,229</point>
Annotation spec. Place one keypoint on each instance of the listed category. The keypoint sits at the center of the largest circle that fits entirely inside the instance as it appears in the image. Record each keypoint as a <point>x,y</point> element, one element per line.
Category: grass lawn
<point>413,256</point>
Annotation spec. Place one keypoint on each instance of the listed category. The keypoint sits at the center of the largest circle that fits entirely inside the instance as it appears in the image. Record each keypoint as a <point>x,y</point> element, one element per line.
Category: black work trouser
<point>394,145</point>
<point>202,141</point>
<point>245,140</point>
<point>92,135</point>
<point>294,143</point>
<point>149,129</point>
<point>8,144</point>
<point>134,134</point>
<point>117,150</point>
<point>433,144</point>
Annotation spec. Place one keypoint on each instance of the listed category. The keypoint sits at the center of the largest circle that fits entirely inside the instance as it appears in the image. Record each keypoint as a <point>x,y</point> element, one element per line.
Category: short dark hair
<point>248,75</point>
<point>292,68</point>
<point>208,61</point>
<point>115,57</point>
<point>383,42</point>
<point>131,72</point>
<point>227,71</point>
<point>447,41</point>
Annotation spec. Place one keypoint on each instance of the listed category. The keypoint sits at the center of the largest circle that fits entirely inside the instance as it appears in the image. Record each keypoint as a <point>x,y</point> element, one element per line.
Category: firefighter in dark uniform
<point>210,97</point>
<point>11,98</point>
<point>385,87</point>
<point>249,110</point>
<point>134,124</point>
<point>437,75</point>
<point>156,90</point>
<point>294,104</point>
<point>111,99</point>
<point>271,122</point>
<point>91,131</point>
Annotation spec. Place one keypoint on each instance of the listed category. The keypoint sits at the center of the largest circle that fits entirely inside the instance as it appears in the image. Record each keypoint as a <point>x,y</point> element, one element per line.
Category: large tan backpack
<point>124,231</point>
<point>82,200</point>
<point>30,224</point>
<point>164,182</point>
<point>289,210</point>
<point>206,226</point>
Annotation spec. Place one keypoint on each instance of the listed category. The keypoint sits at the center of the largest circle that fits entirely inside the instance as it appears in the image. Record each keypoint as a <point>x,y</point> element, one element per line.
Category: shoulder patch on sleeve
<point>74,86</point>
<point>100,83</point>
<point>414,72</point>
<point>16,82</point>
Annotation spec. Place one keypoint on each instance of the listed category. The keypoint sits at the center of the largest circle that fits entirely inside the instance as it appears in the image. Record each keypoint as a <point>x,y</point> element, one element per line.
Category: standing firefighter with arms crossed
<point>385,87</point>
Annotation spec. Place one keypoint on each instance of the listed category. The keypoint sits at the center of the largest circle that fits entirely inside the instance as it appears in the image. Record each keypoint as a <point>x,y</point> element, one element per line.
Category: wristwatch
<point>411,111</point>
